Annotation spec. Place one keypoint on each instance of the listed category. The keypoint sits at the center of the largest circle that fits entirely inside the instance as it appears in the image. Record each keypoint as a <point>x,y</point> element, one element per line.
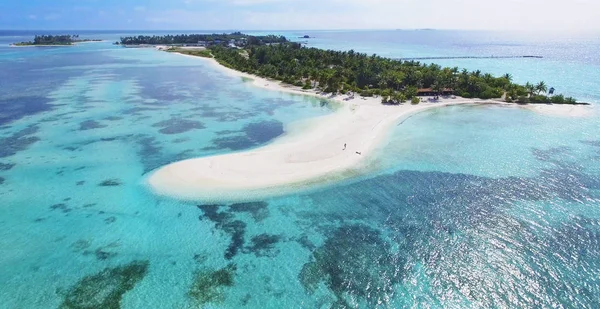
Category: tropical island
<point>234,39</point>
<point>55,40</point>
<point>341,144</point>
<point>395,81</point>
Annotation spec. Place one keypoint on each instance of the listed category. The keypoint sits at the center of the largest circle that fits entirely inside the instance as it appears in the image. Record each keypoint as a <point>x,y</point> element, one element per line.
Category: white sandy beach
<point>309,153</point>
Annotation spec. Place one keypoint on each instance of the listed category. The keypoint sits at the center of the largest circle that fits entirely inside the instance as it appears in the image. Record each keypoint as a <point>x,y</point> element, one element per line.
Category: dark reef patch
<point>113,118</point>
<point>12,109</point>
<point>227,132</point>
<point>80,245</point>
<point>178,125</point>
<point>254,134</point>
<point>236,229</point>
<point>180,140</point>
<point>110,220</point>
<point>232,143</point>
<point>62,207</point>
<point>213,214</point>
<point>223,116</point>
<point>80,183</point>
<point>354,262</point>
<point>90,125</point>
<point>258,210</point>
<point>6,166</point>
<point>102,255</point>
<point>19,141</point>
<point>263,245</point>
<point>262,132</point>
<point>2,179</point>
<point>223,221</point>
<point>110,183</point>
<point>200,258</point>
<point>150,153</point>
<point>210,286</point>
<point>138,110</point>
<point>105,289</point>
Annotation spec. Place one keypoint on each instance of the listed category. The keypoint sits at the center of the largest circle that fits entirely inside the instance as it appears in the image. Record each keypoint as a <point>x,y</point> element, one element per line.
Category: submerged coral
<point>178,125</point>
<point>354,262</point>
<point>264,245</point>
<point>110,183</point>
<point>209,286</point>
<point>90,125</point>
<point>105,289</point>
<point>6,166</point>
<point>236,229</point>
<point>223,220</point>
<point>19,141</point>
<point>258,210</point>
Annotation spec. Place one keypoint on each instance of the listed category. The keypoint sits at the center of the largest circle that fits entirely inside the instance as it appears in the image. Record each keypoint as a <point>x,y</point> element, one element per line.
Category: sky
<point>569,15</point>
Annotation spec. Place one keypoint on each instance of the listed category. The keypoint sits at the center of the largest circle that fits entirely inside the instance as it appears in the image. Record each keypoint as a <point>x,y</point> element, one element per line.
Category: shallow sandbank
<point>321,150</point>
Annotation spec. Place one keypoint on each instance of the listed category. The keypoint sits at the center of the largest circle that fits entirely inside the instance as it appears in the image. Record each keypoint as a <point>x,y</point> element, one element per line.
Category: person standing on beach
<point>344,146</point>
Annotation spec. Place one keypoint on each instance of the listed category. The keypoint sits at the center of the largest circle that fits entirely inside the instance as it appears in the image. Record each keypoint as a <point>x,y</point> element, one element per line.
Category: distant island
<point>394,80</point>
<point>55,40</point>
<point>235,39</point>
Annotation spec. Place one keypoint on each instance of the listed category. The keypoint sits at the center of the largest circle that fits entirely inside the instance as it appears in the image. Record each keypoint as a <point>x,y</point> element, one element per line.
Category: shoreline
<point>309,154</point>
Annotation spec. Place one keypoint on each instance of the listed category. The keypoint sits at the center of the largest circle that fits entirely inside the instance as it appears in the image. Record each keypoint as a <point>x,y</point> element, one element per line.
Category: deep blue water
<point>473,207</point>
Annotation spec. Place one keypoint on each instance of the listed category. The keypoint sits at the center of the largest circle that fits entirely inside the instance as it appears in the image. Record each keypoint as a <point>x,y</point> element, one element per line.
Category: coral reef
<point>209,286</point>
<point>110,183</point>
<point>355,263</point>
<point>105,289</point>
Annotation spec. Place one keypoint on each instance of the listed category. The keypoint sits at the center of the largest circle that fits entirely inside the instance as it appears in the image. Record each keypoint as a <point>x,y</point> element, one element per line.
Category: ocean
<point>473,206</point>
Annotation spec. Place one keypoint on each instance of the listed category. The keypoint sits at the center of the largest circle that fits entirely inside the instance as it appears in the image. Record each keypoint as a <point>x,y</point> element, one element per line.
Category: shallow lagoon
<point>474,206</point>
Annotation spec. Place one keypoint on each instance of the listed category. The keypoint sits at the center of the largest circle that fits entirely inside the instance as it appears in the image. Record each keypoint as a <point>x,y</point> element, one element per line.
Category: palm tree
<point>541,87</point>
<point>530,88</point>
<point>508,77</point>
<point>488,77</point>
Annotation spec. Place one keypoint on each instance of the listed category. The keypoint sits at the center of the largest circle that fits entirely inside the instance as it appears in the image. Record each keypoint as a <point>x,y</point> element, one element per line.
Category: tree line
<point>368,75</point>
<point>240,38</point>
<point>51,40</point>
<point>65,39</point>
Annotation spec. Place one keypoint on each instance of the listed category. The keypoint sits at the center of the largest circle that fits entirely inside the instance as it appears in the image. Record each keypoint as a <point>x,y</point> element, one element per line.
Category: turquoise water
<point>476,207</point>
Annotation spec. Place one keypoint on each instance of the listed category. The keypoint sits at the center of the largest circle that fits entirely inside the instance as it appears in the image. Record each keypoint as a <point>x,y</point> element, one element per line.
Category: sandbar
<point>317,151</point>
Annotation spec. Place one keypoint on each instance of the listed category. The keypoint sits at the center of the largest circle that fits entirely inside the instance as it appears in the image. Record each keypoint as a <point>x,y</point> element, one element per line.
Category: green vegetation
<point>105,289</point>
<point>535,94</point>
<point>238,38</point>
<point>192,52</point>
<point>58,40</point>
<point>208,286</point>
<point>396,81</point>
